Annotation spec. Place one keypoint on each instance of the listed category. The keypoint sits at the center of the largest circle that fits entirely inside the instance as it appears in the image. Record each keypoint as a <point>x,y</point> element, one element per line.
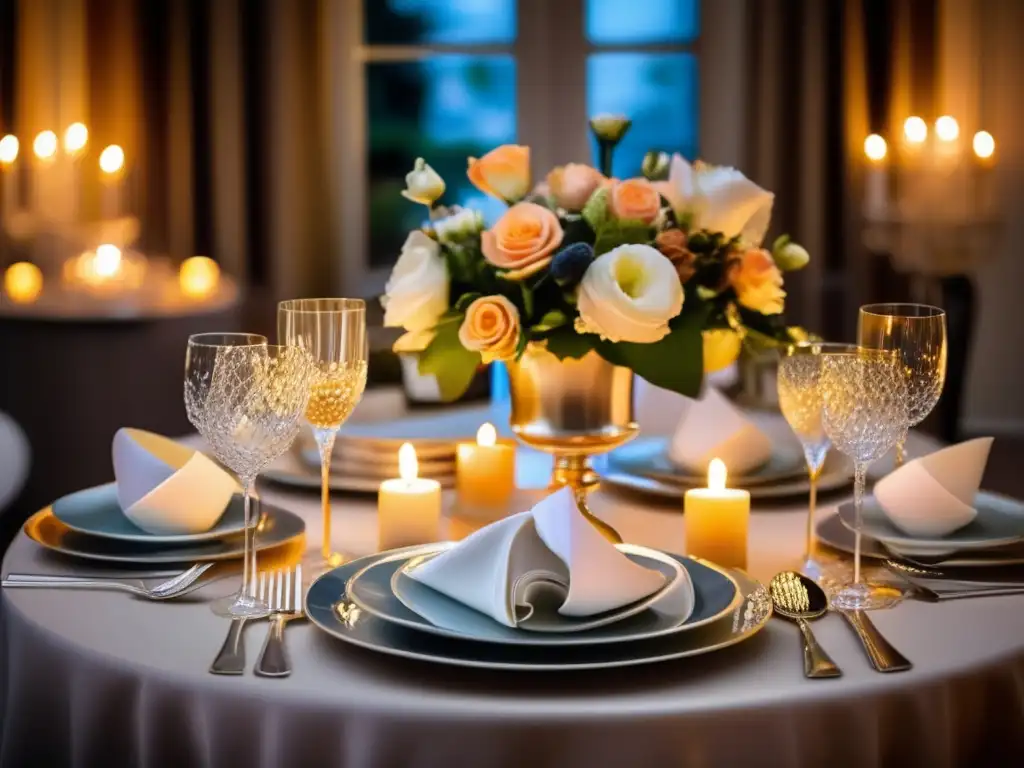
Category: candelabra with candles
<point>77,254</point>
<point>931,204</point>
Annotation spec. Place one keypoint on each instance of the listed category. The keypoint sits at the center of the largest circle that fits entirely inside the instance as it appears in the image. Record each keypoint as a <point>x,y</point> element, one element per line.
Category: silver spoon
<point>799,599</point>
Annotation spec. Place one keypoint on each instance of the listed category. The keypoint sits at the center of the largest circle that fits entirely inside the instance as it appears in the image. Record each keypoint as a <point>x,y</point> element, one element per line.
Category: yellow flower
<point>503,172</point>
<point>721,348</point>
<point>491,327</point>
<point>422,184</point>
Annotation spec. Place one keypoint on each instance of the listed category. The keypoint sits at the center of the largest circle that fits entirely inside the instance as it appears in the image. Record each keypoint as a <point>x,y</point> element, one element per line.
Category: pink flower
<point>572,185</point>
<point>758,282</point>
<point>635,199</point>
<point>523,240</point>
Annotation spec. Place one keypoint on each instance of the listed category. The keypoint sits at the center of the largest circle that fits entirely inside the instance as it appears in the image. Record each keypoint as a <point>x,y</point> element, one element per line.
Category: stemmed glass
<point>864,413</point>
<point>246,398</point>
<point>917,332</point>
<point>333,332</point>
<point>800,399</point>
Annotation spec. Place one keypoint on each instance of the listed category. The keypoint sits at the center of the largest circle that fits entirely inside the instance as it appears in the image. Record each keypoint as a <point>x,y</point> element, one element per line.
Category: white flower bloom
<point>719,199</point>
<point>629,294</point>
<point>417,292</point>
<point>458,224</point>
<point>423,184</point>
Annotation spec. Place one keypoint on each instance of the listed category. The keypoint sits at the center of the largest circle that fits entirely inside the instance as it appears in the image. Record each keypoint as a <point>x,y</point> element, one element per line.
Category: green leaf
<point>521,343</point>
<point>565,342</point>
<point>464,301</point>
<point>552,319</point>
<point>620,232</point>
<point>527,301</point>
<point>449,362</point>
<point>676,362</point>
<point>595,212</point>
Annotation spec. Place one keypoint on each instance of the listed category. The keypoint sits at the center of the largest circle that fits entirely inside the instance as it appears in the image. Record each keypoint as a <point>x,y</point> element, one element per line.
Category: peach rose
<point>572,185</point>
<point>634,199</point>
<point>758,282</point>
<point>491,327</point>
<point>503,172</point>
<point>523,240</point>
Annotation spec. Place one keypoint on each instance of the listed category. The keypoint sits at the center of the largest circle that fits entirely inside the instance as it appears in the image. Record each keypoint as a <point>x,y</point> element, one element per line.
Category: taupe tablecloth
<point>103,679</point>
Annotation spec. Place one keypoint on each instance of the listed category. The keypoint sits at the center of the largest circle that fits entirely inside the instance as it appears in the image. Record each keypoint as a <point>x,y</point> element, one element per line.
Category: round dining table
<point>104,679</point>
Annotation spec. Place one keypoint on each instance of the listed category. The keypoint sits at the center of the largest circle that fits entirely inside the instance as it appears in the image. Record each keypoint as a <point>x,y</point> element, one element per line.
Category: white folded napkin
<point>713,427</point>
<point>165,488</point>
<point>934,495</point>
<point>501,569</point>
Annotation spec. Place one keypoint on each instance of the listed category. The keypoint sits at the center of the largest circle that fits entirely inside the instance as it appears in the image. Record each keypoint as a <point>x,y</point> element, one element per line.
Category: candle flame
<point>716,475</point>
<point>75,138</point>
<point>947,128</point>
<point>23,282</point>
<point>9,147</point>
<point>984,145</point>
<point>487,435</point>
<point>915,130</point>
<point>112,159</point>
<point>107,262</point>
<point>874,147</point>
<point>408,466</point>
<point>198,276</point>
<point>45,145</point>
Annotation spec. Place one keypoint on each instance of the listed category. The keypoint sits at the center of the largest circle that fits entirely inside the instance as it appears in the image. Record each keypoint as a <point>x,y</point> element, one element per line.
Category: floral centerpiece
<point>664,273</point>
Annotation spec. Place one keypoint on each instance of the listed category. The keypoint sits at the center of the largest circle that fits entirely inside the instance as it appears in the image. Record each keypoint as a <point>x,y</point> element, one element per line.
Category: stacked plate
<point>643,466</point>
<point>374,603</point>
<point>90,525</point>
<point>367,453</point>
<point>994,538</point>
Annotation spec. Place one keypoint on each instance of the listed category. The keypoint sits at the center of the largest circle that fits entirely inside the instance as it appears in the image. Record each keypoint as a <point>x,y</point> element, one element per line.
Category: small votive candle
<point>23,282</point>
<point>198,277</point>
<point>485,470</point>
<point>716,520</point>
<point>408,507</point>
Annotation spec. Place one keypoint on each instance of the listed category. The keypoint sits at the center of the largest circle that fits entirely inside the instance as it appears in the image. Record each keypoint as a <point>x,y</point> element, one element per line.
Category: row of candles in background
<point>409,507</point>
<point>54,176</point>
<point>929,174</point>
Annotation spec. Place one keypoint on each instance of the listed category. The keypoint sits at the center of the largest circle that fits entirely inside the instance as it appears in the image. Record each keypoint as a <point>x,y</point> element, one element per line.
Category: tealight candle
<point>485,470</point>
<point>198,277</point>
<point>716,520</point>
<point>23,282</point>
<point>408,507</point>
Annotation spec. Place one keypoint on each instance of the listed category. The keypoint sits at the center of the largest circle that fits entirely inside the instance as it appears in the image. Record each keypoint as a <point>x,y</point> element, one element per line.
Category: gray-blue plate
<point>648,457</point>
<point>279,527</point>
<point>330,611</point>
<point>383,590</point>
<point>1000,521</point>
<point>96,512</point>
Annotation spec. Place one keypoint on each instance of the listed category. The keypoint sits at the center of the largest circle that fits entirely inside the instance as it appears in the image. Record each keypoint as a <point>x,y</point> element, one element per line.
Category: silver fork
<point>179,585</point>
<point>230,659</point>
<point>285,602</point>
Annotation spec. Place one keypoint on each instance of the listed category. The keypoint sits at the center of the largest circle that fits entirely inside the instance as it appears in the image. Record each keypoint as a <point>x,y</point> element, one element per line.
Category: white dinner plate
<point>383,590</point>
<point>331,611</point>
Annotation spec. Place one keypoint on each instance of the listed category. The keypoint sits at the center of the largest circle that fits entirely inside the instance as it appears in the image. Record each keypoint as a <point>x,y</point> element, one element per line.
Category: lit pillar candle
<point>876,178</point>
<point>75,139</point>
<point>984,154</point>
<point>112,168</point>
<point>409,507</point>
<point>44,190</point>
<point>8,156</point>
<point>486,470</point>
<point>716,520</point>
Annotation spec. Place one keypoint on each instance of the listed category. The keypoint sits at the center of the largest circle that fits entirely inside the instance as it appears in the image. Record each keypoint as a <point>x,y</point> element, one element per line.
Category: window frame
<point>550,51</point>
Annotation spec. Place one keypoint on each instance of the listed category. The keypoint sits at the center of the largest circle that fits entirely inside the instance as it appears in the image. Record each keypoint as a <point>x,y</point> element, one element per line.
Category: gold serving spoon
<point>799,599</point>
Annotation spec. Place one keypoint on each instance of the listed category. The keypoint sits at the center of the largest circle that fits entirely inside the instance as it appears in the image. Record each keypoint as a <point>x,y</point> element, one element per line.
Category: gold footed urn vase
<point>573,409</point>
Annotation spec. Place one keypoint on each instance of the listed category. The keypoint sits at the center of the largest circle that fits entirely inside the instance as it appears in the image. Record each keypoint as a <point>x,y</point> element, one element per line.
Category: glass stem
<point>860,471</point>
<point>325,444</point>
<point>813,472</point>
<point>249,546</point>
<point>901,453</point>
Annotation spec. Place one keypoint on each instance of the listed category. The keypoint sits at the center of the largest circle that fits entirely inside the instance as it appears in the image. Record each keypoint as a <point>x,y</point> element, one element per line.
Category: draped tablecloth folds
<point>99,678</point>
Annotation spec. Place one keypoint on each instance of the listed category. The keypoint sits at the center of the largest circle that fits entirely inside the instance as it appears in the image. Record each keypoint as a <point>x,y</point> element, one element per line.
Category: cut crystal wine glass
<point>864,414</point>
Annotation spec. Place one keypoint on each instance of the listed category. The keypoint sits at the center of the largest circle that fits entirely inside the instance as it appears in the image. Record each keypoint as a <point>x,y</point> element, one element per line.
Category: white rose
<point>459,224</point>
<point>417,292</point>
<point>629,294</point>
<point>423,184</point>
<point>719,199</point>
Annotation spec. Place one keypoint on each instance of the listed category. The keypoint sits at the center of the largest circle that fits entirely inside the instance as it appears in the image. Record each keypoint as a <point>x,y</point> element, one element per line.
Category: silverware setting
<point>936,585</point>
<point>177,586</point>
<point>797,598</point>
<point>881,653</point>
<point>284,598</point>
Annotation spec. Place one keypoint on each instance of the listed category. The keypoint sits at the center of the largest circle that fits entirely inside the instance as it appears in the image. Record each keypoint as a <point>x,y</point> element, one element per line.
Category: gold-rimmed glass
<point>864,414</point>
<point>917,333</point>
<point>333,332</point>
<point>800,400</point>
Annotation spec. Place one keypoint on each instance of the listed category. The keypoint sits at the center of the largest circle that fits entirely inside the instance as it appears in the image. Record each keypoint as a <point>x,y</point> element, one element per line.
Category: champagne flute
<point>333,332</point>
<point>252,397</point>
<point>800,399</point>
<point>864,414</point>
<point>917,332</point>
